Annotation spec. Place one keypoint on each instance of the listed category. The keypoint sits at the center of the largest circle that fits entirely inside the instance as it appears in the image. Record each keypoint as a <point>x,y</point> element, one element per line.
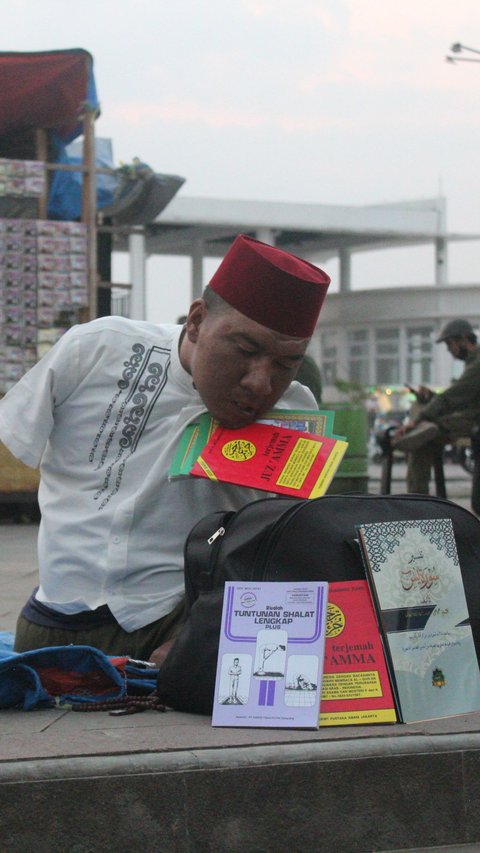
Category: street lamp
<point>457,48</point>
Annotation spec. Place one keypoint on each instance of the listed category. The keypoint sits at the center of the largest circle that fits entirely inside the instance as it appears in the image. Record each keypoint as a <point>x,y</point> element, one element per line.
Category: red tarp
<point>44,90</point>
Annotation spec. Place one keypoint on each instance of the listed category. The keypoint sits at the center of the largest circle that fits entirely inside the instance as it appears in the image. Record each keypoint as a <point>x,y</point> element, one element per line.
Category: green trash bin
<point>352,422</point>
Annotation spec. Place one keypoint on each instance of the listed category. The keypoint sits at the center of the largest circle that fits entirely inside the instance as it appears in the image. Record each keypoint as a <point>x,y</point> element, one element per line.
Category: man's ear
<point>195,317</point>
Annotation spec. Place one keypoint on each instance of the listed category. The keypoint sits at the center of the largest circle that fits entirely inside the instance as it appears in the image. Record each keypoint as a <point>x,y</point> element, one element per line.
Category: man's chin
<point>235,423</point>
<point>236,420</point>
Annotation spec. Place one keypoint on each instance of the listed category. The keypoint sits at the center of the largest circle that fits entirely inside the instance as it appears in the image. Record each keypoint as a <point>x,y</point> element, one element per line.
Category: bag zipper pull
<point>219,532</point>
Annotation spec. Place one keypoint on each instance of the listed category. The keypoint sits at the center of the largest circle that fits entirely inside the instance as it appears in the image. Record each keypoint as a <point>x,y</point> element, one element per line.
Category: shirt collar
<point>179,374</point>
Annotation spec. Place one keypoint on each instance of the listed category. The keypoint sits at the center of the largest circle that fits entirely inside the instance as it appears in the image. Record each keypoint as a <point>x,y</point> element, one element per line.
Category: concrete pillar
<point>372,356</point>
<point>265,235</point>
<point>344,257</point>
<point>197,269</point>
<point>136,243</point>
<point>441,261</point>
<point>403,354</point>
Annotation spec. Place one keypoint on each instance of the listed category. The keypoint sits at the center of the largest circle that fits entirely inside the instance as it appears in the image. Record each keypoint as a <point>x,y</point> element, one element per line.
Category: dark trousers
<point>111,639</point>
<point>420,461</point>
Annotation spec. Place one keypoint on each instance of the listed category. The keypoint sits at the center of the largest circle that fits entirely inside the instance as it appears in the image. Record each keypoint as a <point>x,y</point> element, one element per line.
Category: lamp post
<point>457,48</point>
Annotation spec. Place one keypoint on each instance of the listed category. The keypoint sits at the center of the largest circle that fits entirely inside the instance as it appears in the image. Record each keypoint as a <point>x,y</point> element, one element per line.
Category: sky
<point>345,102</point>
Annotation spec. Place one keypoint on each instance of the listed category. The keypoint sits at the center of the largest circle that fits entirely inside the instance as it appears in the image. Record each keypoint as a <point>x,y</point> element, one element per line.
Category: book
<point>272,458</point>
<point>356,685</point>
<point>317,422</point>
<point>194,438</point>
<point>196,435</point>
<point>416,583</point>
<point>270,656</point>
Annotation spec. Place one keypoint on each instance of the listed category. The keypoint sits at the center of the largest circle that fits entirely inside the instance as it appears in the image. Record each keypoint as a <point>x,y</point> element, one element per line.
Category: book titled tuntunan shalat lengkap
<point>273,458</point>
<point>270,658</point>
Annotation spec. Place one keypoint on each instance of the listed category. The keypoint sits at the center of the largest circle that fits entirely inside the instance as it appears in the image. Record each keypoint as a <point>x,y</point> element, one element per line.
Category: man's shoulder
<point>115,326</point>
<point>471,366</point>
<point>474,356</point>
<point>297,396</point>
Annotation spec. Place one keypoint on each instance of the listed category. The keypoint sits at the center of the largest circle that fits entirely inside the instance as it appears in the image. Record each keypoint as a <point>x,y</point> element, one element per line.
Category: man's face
<point>239,367</point>
<point>458,348</point>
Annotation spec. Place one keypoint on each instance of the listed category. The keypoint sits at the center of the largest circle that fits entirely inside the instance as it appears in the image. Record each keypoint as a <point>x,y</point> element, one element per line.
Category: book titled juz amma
<point>198,433</point>
<point>273,458</point>
<point>356,687</point>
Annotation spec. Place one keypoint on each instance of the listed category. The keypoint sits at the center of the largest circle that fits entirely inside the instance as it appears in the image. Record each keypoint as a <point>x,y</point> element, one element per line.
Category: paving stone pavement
<point>18,570</point>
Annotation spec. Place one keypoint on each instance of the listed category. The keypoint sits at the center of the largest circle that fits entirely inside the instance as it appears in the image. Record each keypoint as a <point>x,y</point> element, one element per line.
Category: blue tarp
<point>65,196</point>
<point>25,677</point>
<point>58,674</point>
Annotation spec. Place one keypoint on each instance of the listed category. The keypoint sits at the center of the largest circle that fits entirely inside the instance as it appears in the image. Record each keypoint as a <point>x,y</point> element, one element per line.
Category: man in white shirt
<point>102,414</point>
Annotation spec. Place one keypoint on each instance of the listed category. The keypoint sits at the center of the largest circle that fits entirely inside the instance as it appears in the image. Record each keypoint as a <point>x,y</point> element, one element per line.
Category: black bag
<point>280,539</point>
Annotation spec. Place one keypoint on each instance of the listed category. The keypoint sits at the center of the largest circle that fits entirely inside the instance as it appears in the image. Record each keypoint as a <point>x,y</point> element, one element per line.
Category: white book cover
<point>416,581</point>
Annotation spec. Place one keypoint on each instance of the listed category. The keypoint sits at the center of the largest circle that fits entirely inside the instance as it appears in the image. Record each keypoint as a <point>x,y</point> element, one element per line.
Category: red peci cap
<point>272,287</point>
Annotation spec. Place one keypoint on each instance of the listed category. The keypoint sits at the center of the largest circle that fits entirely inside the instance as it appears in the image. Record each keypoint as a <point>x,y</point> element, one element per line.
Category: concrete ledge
<point>231,758</point>
<point>455,848</point>
<point>350,795</point>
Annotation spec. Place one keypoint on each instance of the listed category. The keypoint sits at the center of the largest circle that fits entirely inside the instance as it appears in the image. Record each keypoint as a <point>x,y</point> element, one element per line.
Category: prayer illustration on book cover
<point>301,674</point>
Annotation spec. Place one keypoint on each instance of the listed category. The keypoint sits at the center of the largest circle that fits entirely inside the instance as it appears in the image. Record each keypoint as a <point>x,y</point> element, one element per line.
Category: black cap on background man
<point>455,329</point>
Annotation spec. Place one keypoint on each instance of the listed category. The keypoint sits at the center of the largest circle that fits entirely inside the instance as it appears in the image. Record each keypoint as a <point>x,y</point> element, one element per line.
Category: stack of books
<point>286,452</point>
<point>395,647</point>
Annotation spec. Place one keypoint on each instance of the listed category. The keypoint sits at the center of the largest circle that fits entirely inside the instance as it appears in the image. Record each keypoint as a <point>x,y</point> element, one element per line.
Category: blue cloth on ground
<point>6,641</point>
<point>58,674</point>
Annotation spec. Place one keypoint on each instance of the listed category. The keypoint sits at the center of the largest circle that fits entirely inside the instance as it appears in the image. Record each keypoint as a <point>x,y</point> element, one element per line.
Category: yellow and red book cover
<point>356,687</point>
<point>274,458</point>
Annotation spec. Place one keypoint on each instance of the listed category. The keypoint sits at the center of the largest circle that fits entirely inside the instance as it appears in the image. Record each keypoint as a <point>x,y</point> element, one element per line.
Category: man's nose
<point>258,379</point>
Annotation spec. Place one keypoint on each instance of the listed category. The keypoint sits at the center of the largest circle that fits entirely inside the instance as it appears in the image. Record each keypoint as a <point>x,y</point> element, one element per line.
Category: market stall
<point>48,266</point>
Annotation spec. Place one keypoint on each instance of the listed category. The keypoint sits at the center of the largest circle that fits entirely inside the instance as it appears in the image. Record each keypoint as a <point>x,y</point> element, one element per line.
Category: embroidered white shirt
<point>102,414</point>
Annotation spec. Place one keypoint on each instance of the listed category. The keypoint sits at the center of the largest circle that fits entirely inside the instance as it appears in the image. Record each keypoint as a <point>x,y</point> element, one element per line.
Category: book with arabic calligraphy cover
<point>416,582</point>
<point>356,687</point>
<point>271,652</point>
<point>273,458</point>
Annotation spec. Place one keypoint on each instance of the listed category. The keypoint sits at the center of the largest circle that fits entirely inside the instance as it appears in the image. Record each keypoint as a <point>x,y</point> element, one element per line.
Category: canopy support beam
<point>89,208</point>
